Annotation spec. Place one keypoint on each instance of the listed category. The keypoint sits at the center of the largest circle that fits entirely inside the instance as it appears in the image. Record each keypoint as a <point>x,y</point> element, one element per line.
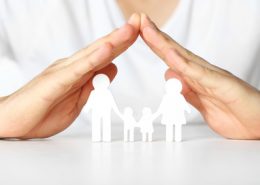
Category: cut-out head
<point>173,86</point>
<point>147,111</point>
<point>101,81</point>
<point>128,111</point>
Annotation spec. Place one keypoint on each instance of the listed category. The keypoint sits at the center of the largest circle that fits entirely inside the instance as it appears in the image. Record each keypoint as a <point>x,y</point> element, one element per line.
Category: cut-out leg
<point>125,135</point>
<point>131,134</point>
<point>96,131</point>
<point>143,137</point>
<point>178,132</point>
<point>107,128</point>
<point>150,137</point>
<point>169,133</point>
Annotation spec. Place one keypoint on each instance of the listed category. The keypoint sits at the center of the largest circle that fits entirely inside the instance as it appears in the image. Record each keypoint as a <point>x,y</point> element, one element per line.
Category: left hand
<point>230,106</point>
<point>51,101</point>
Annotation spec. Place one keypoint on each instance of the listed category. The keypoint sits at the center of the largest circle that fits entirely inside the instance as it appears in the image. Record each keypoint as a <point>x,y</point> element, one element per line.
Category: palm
<point>60,116</point>
<point>62,110</point>
<point>216,107</point>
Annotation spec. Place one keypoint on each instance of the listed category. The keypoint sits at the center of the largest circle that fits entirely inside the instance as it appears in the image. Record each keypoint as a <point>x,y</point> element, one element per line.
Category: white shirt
<point>33,34</point>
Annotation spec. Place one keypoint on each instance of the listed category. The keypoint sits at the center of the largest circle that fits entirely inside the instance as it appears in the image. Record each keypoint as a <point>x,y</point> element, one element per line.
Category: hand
<point>51,101</point>
<point>229,105</point>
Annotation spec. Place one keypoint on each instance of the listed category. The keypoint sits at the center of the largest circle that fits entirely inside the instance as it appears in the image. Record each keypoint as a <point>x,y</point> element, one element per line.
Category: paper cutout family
<point>101,103</point>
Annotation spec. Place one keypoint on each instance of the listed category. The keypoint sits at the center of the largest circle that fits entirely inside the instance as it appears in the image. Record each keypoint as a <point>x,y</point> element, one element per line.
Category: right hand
<point>228,104</point>
<point>51,101</point>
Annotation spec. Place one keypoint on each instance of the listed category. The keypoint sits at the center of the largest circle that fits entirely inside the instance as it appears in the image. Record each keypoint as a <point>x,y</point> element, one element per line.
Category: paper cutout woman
<point>172,109</point>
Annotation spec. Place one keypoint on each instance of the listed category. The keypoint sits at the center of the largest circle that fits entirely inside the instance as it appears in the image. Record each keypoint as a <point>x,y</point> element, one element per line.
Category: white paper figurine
<point>172,109</point>
<point>129,124</point>
<point>101,102</point>
<point>146,124</point>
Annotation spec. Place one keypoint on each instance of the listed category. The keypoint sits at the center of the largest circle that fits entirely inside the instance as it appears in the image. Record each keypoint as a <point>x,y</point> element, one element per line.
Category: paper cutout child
<point>129,124</point>
<point>101,102</point>
<point>146,124</point>
<point>172,109</point>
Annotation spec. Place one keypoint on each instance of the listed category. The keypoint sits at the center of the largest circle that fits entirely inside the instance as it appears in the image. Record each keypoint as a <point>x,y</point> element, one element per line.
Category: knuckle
<point>184,69</point>
<point>58,62</point>
<point>80,70</point>
<point>204,73</point>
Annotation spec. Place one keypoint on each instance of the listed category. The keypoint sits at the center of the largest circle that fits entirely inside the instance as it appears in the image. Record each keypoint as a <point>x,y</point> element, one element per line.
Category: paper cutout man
<point>129,124</point>
<point>101,102</point>
<point>146,124</point>
<point>172,109</point>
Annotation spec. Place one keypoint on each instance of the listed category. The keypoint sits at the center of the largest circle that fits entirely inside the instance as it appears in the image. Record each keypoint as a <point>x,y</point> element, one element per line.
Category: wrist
<point>8,125</point>
<point>2,99</point>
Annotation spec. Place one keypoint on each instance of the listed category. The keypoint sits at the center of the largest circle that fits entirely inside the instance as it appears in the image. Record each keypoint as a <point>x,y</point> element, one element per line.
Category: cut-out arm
<point>115,108</point>
<point>159,110</point>
<point>155,115</point>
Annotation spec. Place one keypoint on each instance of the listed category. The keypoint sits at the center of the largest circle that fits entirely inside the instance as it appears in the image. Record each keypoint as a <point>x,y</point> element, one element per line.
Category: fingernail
<point>132,19</point>
<point>149,21</point>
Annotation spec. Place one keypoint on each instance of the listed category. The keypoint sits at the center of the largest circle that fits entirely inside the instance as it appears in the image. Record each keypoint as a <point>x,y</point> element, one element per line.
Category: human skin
<point>52,100</point>
<point>150,7</point>
<point>230,106</point>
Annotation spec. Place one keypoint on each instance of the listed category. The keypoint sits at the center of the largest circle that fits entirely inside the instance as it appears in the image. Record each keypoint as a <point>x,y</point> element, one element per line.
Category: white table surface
<point>72,159</point>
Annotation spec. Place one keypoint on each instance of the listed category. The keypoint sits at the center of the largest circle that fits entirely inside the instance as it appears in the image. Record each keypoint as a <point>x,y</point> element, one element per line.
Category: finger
<point>110,71</point>
<point>92,62</point>
<point>197,74</point>
<point>72,73</point>
<point>204,76</point>
<point>85,78</point>
<point>101,53</point>
<point>160,43</point>
<point>57,84</point>
<point>120,39</point>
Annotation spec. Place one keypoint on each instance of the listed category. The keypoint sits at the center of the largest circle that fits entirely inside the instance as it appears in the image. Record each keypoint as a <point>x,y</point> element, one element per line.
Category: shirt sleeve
<point>11,76</point>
